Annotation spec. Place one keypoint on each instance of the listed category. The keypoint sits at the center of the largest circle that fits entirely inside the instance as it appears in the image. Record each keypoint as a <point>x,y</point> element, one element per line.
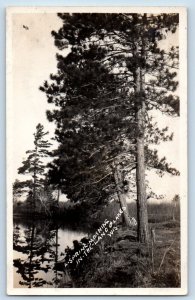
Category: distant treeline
<point>77,213</point>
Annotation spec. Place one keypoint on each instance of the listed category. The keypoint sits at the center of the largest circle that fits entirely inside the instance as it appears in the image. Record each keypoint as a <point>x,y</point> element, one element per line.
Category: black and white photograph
<point>96,151</point>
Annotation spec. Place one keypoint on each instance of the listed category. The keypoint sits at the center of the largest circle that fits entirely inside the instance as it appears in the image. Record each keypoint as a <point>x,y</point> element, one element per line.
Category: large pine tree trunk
<point>121,198</point>
<point>142,214</point>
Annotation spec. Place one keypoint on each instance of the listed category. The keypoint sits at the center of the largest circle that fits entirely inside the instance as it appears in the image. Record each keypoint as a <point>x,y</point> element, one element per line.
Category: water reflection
<point>38,246</point>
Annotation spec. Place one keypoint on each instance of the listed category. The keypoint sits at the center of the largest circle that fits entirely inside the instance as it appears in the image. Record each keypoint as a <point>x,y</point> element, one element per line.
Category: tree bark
<point>142,214</point>
<point>122,201</point>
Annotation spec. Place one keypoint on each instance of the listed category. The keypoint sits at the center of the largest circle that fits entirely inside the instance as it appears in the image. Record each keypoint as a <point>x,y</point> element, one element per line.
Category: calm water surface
<point>38,246</point>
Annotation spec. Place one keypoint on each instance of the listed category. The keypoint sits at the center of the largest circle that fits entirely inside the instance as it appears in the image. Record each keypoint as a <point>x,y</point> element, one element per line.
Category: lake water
<point>38,246</point>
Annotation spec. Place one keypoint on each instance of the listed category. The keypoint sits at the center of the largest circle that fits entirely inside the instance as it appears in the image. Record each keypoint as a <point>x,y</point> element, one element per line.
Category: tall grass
<point>157,212</point>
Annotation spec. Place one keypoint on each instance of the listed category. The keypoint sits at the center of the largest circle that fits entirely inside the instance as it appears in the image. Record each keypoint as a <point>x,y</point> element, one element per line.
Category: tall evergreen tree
<point>126,46</point>
<point>35,164</point>
<point>92,128</point>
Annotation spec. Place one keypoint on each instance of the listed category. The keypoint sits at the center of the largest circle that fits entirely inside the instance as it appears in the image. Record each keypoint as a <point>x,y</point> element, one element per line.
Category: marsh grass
<point>120,261</point>
<point>157,212</point>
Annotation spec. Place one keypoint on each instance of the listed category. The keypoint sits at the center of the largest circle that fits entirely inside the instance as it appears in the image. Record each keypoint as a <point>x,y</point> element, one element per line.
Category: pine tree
<point>126,47</point>
<point>99,129</point>
<point>34,165</point>
<point>88,119</point>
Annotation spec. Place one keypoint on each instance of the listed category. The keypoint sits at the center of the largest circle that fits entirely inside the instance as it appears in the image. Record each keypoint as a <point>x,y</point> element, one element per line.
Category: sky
<point>33,59</point>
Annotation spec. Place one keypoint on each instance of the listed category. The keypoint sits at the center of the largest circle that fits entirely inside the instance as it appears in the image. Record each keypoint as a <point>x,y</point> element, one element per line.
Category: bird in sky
<point>25,27</point>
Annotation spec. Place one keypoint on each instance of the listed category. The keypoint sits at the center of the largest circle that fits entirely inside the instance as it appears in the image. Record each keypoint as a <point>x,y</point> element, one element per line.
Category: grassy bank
<point>120,261</point>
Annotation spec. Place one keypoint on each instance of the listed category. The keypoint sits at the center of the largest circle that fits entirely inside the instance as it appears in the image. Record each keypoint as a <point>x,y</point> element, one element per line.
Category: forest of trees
<point>102,100</point>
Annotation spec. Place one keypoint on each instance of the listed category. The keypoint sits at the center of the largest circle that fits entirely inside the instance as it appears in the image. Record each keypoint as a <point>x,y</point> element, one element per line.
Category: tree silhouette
<point>38,245</point>
<point>34,165</point>
<point>117,71</point>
